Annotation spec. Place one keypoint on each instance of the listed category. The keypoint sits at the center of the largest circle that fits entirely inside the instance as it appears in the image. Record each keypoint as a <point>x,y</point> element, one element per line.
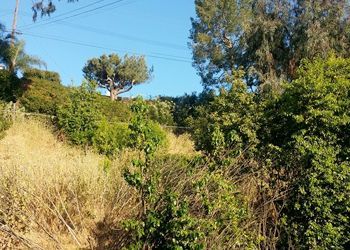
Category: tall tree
<point>267,38</point>
<point>117,75</point>
<point>13,55</point>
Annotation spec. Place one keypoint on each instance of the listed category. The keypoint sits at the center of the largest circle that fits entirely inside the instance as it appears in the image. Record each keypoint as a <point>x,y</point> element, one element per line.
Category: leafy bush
<point>161,111</point>
<point>185,107</point>
<point>166,227</point>
<point>79,118</point>
<point>110,137</point>
<point>317,106</point>
<point>117,110</point>
<point>10,86</point>
<point>43,96</point>
<point>227,125</point>
<point>42,75</point>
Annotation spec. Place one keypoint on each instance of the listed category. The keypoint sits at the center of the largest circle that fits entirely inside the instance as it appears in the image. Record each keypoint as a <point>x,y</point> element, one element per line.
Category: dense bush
<point>161,111</point>
<point>227,125</point>
<point>79,118</point>
<point>110,137</point>
<point>297,143</point>
<point>42,75</point>
<point>43,96</point>
<point>83,122</point>
<point>185,107</point>
<point>317,106</point>
<point>117,110</point>
<point>10,86</point>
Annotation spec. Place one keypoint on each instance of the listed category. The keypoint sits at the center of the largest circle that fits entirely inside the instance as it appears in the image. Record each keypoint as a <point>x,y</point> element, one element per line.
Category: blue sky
<point>158,29</point>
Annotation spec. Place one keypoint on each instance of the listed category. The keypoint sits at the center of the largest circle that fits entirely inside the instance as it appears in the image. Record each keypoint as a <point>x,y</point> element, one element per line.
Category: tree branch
<point>121,91</point>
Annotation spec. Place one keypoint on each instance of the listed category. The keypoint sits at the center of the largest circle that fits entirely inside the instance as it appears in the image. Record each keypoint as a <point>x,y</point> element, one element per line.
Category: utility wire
<point>131,38</point>
<point>65,13</point>
<point>152,55</point>
<point>75,15</point>
<point>123,36</point>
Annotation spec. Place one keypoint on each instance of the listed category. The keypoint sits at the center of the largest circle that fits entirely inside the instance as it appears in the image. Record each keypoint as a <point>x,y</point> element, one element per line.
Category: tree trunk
<point>14,23</point>
<point>12,62</point>
<point>113,94</point>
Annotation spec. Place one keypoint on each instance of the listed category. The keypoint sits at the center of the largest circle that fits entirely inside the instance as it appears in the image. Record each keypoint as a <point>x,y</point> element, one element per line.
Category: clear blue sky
<point>158,29</point>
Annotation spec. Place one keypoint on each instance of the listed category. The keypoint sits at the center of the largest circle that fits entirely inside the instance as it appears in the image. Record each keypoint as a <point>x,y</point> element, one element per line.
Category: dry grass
<point>52,195</point>
<point>180,144</point>
<point>55,196</point>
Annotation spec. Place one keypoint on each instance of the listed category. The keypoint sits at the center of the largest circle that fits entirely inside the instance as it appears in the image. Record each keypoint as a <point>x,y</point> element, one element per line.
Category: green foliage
<point>185,108</point>
<point>227,125</point>
<point>119,110</point>
<point>169,226</point>
<point>117,75</point>
<point>44,93</point>
<point>161,111</point>
<point>10,86</point>
<point>110,137</point>
<point>317,104</point>
<point>43,75</point>
<point>268,38</point>
<point>79,117</point>
<point>14,57</point>
<point>5,119</point>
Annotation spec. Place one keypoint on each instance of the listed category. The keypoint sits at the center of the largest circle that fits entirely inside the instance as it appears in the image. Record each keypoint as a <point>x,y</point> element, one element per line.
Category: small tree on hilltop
<point>117,75</point>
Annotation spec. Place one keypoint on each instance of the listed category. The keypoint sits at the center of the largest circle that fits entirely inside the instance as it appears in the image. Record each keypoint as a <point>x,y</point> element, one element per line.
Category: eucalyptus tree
<point>266,38</point>
<point>117,75</point>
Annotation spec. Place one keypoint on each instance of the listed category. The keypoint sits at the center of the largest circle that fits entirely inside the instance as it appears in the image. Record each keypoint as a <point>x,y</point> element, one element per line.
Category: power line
<point>65,13</point>
<point>153,55</point>
<point>127,37</point>
<point>75,15</point>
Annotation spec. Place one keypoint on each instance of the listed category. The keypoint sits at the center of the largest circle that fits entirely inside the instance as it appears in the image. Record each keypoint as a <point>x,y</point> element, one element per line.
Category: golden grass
<point>51,194</point>
<point>180,144</point>
<point>56,196</point>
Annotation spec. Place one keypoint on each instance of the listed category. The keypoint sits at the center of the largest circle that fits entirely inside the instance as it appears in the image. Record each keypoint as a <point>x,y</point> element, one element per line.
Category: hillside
<point>54,195</point>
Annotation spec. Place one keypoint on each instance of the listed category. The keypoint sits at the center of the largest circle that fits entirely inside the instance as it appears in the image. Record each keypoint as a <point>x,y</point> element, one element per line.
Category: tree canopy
<point>13,55</point>
<point>117,75</point>
<point>267,38</point>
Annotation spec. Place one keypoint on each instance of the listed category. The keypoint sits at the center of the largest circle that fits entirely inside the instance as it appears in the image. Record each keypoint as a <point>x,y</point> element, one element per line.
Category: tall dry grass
<point>52,195</point>
<point>56,196</point>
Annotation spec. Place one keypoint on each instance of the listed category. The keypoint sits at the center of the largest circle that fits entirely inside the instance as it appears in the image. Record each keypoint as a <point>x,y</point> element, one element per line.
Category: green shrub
<point>164,221</point>
<point>161,111</point>
<point>110,137</point>
<point>42,75</point>
<point>156,131</point>
<point>117,110</point>
<point>227,125</point>
<point>43,96</point>
<point>10,86</point>
<point>79,118</point>
<point>314,111</point>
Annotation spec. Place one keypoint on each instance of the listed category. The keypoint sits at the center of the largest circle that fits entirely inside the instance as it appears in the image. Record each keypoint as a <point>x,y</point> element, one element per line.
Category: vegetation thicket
<point>43,92</point>
<point>271,129</point>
